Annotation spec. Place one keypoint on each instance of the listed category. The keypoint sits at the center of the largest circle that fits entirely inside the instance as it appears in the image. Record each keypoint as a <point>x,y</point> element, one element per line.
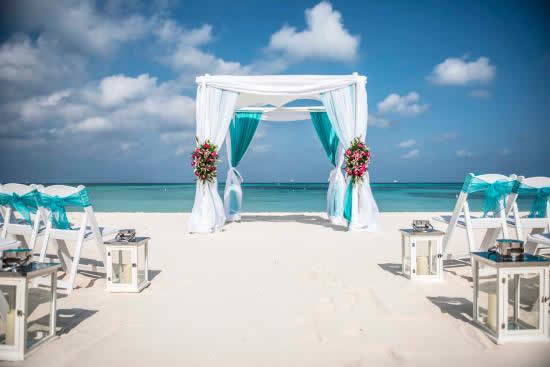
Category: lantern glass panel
<point>39,303</point>
<point>407,258</point>
<point>426,258</point>
<point>487,300</point>
<point>141,264</point>
<point>122,266</point>
<point>7,327</point>
<point>523,301</point>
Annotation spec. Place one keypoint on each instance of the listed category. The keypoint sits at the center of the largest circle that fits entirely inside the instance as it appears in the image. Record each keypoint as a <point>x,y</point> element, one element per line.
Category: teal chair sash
<point>56,205</point>
<point>538,209</point>
<point>23,204</point>
<point>495,193</point>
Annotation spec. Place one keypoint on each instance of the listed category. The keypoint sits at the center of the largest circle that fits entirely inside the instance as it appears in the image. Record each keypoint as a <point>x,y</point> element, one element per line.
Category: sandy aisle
<point>275,290</point>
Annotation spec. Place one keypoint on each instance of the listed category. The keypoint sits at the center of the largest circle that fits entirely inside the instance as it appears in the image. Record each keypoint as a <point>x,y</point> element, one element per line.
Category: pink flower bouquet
<point>204,158</point>
<point>357,158</point>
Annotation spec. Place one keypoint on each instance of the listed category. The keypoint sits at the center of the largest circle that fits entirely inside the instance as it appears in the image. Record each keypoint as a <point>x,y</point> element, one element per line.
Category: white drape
<point>347,111</point>
<point>232,184</point>
<point>214,108</point>
<point>337,189</point>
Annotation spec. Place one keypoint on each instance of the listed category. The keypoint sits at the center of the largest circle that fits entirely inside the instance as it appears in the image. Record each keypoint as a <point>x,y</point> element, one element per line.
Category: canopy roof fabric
<point>280,85</point>
<point>277,90</point>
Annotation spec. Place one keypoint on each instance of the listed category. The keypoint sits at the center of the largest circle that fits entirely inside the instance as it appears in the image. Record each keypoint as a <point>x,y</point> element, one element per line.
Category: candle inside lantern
<point>126,273</point>
<point>422,265</point>
<point>492,307</point>
<point>10,327</point>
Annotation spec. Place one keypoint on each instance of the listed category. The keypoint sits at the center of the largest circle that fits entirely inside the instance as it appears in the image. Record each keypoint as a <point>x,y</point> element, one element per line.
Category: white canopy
<point>344,98</point>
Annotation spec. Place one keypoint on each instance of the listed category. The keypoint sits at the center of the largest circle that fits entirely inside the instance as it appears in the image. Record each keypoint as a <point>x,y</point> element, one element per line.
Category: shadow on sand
<point>67,319</point>
<point>458,307</point>
<point>299,218</point>
<point>395,269</point>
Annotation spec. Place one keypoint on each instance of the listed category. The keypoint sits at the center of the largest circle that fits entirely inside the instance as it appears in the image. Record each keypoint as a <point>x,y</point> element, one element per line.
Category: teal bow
<point>56,205</point>
<point>495,192</point>
<point>23,204</point>
<point>538,209</point>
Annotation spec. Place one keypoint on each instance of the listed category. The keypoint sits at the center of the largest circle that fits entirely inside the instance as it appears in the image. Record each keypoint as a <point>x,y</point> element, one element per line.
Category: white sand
<point>276,290</point>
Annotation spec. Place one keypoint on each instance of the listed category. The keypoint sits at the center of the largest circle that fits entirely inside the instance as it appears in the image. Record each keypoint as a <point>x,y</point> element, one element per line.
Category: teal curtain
<point>495,193</point>
<point>23,204</point>
<point>57,206</point>
<point>241,131</point>
<point>326,134</point>
<point>538,208</point>
<point>348,202</point>
<point>336,190</point>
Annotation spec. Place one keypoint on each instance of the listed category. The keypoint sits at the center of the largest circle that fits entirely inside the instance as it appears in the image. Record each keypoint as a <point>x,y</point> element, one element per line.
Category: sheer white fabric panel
<point>348,116</point>
<point>337,189</point>
<point>214,108</point>
<point>232,184</point>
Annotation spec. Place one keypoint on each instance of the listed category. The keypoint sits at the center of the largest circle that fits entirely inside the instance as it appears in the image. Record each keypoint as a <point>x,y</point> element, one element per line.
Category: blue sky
<point>103,91</point>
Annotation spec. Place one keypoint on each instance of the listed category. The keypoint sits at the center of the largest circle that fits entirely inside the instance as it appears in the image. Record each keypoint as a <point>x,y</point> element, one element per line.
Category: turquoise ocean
<point>280,197</point>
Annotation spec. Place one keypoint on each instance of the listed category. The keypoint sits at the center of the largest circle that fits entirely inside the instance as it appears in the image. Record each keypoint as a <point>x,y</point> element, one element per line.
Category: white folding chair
<point>542,241</point>
<point>494,222</point>
<point>54,200</point>
<point>538,219</point>
<point>25,221</point>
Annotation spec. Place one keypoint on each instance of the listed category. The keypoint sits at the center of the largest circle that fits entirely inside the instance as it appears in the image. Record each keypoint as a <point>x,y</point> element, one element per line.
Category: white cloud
<point>92,124</point>
<point>169,30</point>
<point>403,105</point>
<point>443,137</point>
<point>180,150</point>
<point>324,37</point>
<point>412,154</point>
<point>378,121</point>
<point>29,67</point>
<point>480,93</point>
<point>127,147</point>
<point>261,148</point>
<point>173,137</point>
<point>116,102</point>
<point>407,143</point>
<point>79,24</point>
<point>120,88</point>
<point>455,71</point>
<point>464,153</point>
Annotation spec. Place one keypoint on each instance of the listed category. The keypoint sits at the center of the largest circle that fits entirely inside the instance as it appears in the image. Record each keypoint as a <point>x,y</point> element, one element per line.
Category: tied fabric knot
<point>58,213</point>
<point>57,206</point>
<point>23,204</point>
<point>495,192</point>
<point>538,210</point>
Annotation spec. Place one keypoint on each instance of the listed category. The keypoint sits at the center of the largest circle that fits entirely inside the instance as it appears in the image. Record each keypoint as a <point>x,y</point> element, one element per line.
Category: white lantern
<point>27,310</point>
<point>421,256</point>
<point>511,296</point>
<point>127,265</point>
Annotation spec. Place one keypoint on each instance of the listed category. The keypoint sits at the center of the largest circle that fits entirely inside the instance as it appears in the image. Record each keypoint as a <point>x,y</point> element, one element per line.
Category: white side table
<point>421,256</point>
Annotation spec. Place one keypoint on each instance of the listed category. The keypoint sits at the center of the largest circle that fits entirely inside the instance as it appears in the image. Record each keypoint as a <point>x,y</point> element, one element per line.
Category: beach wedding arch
<point>229,109</point>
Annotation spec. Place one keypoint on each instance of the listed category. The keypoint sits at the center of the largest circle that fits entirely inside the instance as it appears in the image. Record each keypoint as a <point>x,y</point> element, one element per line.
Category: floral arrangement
<point>357,160</point>
<point>204,158</point>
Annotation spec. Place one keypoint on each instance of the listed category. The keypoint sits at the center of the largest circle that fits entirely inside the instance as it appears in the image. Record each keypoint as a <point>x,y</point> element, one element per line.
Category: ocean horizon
<point>280,197</point>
